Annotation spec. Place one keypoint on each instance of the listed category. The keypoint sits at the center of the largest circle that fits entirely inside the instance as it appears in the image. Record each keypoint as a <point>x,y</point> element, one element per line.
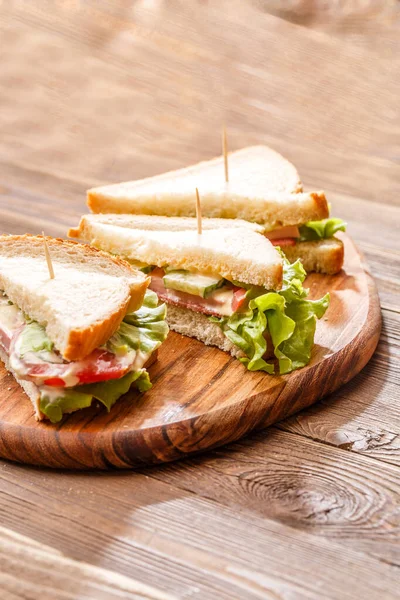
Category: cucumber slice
<point>192,283</point>
<point>141,266</point>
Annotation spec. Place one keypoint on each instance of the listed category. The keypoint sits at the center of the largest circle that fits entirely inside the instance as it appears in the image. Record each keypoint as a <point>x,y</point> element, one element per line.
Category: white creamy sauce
<point>53,393</point>
<point>70,379</point>
<point>140,360</point>
<point>11,317</point>
<point>224,299</point>
<point>131,361</point>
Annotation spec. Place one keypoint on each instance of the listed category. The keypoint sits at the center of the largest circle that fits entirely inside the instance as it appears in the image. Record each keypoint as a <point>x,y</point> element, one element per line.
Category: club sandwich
<point>228,286</point>
<point>85,335</point>
<point>263,188</point>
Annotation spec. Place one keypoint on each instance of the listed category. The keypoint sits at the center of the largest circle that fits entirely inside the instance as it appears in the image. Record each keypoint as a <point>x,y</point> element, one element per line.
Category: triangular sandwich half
<point>263,188</point>
<point>75,337</point>
<point>228,286</point>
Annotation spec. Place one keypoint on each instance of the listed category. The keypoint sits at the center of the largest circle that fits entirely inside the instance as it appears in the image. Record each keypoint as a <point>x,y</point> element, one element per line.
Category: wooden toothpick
<point>225,153</point>
<point>198,213</point>
<point>48,257</point>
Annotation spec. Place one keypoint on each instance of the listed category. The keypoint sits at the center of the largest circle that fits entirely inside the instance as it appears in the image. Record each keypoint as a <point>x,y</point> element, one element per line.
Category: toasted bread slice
<point>86,301</point>
<point>236,253</point>
<point>155,223</point>
<point>323,256</point>
<point>196,325</point>
<point>263,187</point>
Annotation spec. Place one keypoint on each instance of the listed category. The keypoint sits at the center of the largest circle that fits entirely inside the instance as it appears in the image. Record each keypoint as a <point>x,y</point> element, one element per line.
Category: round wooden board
<point>201,397</point>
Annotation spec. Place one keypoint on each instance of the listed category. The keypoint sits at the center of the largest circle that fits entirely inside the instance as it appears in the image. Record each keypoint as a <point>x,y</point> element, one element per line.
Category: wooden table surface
<point>101,91</point>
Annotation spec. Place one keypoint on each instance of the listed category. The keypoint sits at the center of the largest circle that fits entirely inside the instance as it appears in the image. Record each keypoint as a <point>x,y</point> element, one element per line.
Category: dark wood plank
<point>364,415</point>
<point>330,493</point>
<point>374,226</point>
<point>31,570</point>
<point>370,223</point>
<point>281,522</point>
<point>384,265</point>
<point>201,397</point>
<point>310,487</point>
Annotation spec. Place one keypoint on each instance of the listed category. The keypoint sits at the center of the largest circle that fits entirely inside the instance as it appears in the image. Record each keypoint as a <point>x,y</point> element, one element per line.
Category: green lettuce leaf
<point>143,330</point>
<point>33,338</point>
<point>318,230</point>
<point>68,400</point>
<point>107,392</point>
<point>288,317</point>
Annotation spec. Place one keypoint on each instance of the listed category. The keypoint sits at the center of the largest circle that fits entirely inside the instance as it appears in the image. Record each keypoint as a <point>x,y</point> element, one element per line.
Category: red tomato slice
<point>100,365</point>
<point>282,242</point>
<point>239,299</point>
<point>55,381</point>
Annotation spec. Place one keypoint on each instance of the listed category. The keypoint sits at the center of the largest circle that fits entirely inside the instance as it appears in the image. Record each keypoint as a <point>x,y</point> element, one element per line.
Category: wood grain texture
<point>325,492</point>
<point>275,516</point>
<point>31,570</point>
<point>95,92</point>
<point>201,397</point>
<point>152,92</point>
<point>363,416</point>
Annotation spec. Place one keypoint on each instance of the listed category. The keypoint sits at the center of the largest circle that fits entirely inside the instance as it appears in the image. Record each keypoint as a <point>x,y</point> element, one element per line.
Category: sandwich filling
<point>311,231</point>
<point>251,317</point>
<point>105,375</point>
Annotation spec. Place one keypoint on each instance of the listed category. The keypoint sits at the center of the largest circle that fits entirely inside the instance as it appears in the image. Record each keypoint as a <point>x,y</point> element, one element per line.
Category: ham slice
<point>222,302</point>
<point>283,232</point>
<point>282,242</point>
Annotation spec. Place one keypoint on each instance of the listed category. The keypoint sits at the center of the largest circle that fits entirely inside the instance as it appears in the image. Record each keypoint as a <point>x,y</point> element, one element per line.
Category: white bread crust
<point>86,301</point>
<point>196,325</point>
<point>263,188</point>
<point>239,254</point>
<point>322,256</point>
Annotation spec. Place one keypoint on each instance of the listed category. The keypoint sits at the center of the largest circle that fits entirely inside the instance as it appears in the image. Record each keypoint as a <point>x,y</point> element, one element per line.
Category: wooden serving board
<point>201,397</point>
